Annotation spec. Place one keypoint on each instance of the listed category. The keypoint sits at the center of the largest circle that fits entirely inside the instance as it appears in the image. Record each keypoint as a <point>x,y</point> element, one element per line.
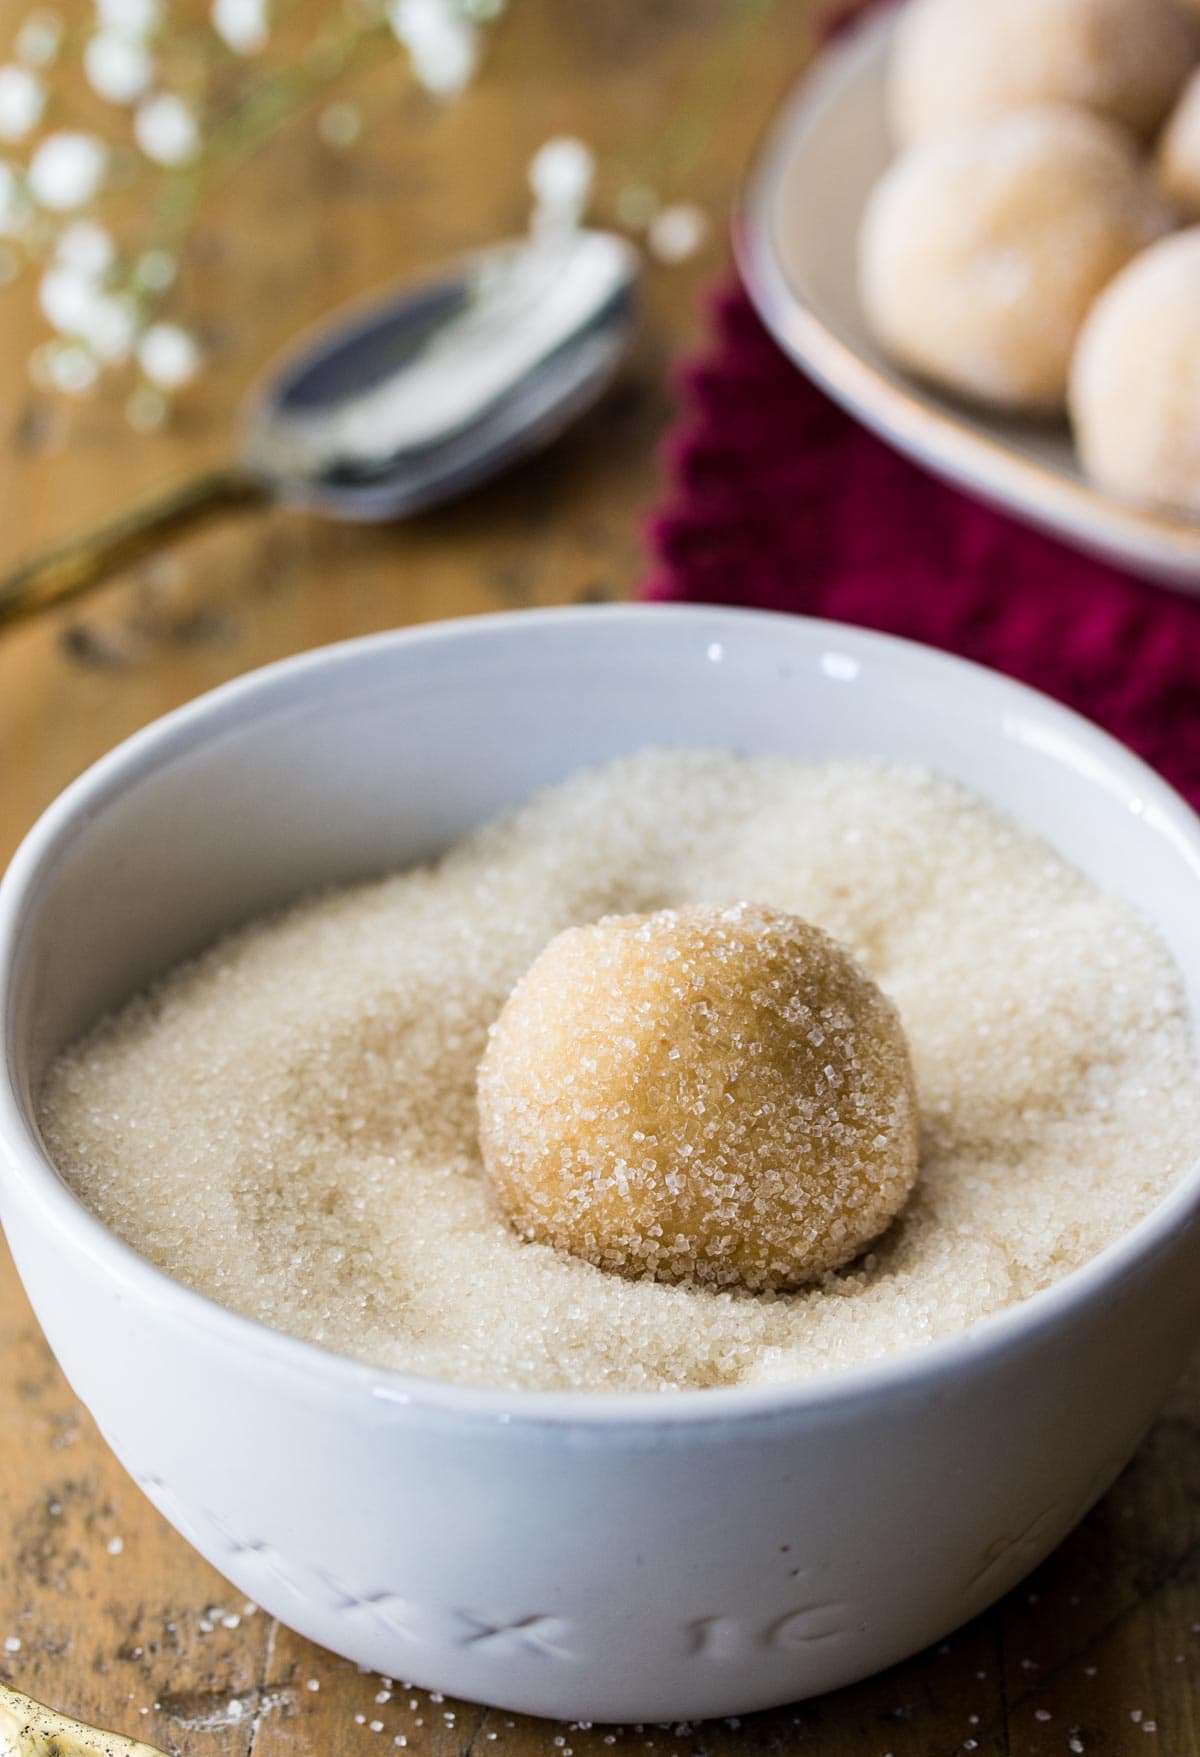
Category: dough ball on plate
<point>960,62</point>
<point>981,253</point>
<point>1179,152</point>
<point>708,1094</point>
<point>1135,381</point>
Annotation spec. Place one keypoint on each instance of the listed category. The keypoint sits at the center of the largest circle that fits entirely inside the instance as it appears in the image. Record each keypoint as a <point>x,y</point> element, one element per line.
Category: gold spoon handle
<point>85,561</point>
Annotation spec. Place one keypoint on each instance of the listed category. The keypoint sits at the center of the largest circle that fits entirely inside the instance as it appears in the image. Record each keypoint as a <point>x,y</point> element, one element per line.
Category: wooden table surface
<point>104,1611</point>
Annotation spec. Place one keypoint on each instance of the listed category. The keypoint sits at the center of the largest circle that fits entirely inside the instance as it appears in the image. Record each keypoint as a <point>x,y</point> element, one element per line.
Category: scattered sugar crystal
<point>115,1545</point>
<point>313,1684</point>
<point>12,1644</point>
<point>288,1123</point>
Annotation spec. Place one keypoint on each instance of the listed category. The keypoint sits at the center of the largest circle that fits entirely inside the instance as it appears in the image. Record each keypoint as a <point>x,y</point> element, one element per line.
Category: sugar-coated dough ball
<point>981,253</point>
<point>718,1095</point>
<point>1135,382</point>
<point>959,62</point>
<point>1179,152</point>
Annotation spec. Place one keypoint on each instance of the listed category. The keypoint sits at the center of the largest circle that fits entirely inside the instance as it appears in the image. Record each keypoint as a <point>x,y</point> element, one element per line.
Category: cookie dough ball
<point>1135,382</point>
<point>1179,153</point>
<point>716,1095</point>
<point>957,63</point>
<point>980,254</point>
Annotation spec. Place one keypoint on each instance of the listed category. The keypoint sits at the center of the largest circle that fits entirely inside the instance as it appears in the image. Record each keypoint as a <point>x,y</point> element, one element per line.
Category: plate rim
<point>905,414</point>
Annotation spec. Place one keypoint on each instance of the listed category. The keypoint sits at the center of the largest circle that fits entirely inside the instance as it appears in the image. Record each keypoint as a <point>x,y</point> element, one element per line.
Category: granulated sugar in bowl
<point>699,1500</point>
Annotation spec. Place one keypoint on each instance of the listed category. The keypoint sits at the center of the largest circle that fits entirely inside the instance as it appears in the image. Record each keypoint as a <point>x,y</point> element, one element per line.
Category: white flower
<point>443,45</point>
<point>129,18</point>
<point>166,130</point>
<point>111,328</point>
<point>118,67</point>
<point>22,100</point>
<point>677,232</point>
<point>560,175</point>
<point>75,306</point>
<point>242,25</point>
<point>66,299</point>
<point>155,271</point>
<point>86,248</point>
<point>71,369</point>
<point>14,203</point>
<point>67,170</point>
<point>39,38</point>
<point>168,356</point>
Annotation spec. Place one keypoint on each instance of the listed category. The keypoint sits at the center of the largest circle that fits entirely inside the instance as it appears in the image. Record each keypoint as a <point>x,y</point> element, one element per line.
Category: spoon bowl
<point>398,404</point>
<point>419,396</point>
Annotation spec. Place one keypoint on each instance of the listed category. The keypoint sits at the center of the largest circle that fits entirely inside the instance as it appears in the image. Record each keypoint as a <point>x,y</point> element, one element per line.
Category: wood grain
<point>117,1620</point>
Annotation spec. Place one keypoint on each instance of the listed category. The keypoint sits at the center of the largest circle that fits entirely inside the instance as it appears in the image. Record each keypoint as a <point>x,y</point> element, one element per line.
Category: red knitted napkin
<point>780,501</point>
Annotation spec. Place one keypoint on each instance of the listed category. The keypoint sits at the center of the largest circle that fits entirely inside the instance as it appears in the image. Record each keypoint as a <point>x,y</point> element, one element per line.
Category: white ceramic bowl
<point>607,1557</point>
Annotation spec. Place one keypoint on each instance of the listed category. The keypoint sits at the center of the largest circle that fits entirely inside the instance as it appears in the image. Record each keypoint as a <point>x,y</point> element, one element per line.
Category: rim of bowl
<point>25,1163</point>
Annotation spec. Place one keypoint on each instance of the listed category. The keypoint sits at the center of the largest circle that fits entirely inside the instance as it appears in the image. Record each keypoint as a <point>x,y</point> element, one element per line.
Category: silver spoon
<point>394,406</point>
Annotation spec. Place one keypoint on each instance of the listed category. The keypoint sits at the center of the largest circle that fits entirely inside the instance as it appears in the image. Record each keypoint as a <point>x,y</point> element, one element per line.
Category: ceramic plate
<point>796,236</point>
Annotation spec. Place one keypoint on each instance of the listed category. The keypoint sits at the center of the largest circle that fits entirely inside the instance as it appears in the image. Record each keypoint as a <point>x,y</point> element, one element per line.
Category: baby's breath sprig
<point>99,98</point>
